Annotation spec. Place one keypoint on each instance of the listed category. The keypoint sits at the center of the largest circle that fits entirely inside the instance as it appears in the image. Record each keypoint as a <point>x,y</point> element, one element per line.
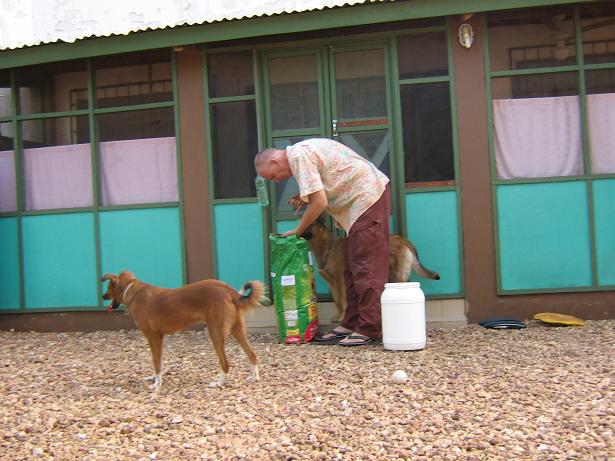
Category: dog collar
<point>126,291</point>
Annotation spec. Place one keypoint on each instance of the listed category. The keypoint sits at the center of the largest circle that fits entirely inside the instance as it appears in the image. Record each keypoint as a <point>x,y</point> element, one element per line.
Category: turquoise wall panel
<point>544,235</point>
<point>433,227</point>
<point>59,260</point>
<point>9,264</point>
<point>283,226</point>
<point>146,242</point>
<point>239,243</point>
<point>604,215</point>
<point>321,285</point>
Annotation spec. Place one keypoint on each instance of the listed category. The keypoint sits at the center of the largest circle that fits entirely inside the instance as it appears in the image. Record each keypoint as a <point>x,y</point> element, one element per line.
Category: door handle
<point>334,127</point>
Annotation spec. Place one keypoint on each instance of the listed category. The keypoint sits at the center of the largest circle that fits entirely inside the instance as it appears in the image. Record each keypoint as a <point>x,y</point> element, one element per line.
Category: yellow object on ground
<point>558,319</point>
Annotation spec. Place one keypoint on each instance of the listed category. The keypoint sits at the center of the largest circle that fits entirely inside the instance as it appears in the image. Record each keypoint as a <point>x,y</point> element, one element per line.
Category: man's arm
<point>317,204</point>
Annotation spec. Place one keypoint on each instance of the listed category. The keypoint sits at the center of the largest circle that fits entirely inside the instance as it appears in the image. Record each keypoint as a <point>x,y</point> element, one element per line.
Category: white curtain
<point>537,137</point>
<point>139,171</point>
<point>58,177</point>
<point>601,120</point>
<point>8,193</point>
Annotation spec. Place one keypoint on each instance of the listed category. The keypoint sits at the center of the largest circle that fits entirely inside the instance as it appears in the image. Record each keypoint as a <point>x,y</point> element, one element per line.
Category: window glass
<point>294,92</point>
<point>598,32</point>
<point>287,188</point>
<point>372,145</point>
<point>8,192</point>
<point>137,78</point>
<point>6,97</point>
<point>57,163</point>
<point>230,74</point>
<point>531,38</point>
<point>428,144</point>
<point>360,88</point>
<point>51,87</point>
<point>138,162</point>
<point>600,84</point>
<point>422,55</point>
<point>598,35</point>
<point>235,143</point>
<point>537,126</point>
<point>536,85</point>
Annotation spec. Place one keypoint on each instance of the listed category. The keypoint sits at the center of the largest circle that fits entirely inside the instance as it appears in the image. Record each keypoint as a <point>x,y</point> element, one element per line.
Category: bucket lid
<point>403,285</point>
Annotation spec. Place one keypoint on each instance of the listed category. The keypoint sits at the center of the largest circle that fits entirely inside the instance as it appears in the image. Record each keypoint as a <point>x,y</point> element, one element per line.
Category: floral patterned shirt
<point>352,184</point>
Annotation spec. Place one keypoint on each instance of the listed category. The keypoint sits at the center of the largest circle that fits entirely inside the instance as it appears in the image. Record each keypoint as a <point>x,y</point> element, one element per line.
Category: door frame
<point>325,55</point>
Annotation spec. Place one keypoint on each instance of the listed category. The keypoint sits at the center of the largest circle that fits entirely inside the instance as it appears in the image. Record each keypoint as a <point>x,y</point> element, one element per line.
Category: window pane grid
<point>49,146</point>
<point>232,124</point>
<point>572,106</point>
<point>591,79</point>
<point>33,100</point>
<point>426,117</point>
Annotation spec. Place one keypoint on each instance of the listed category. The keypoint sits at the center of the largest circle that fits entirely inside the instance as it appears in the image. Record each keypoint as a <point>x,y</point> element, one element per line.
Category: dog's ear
<point>126,276</point>
<point>106,277</point>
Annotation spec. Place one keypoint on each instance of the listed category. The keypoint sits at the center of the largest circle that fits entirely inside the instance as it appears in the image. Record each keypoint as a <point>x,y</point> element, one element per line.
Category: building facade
<point>136,151</point>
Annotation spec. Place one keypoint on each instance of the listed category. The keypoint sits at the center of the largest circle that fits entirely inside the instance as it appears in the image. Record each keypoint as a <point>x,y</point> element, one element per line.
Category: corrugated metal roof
<point>36,22</point>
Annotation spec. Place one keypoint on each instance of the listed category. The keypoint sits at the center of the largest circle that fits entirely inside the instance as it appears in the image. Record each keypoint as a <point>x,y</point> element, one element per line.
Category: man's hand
<point>289,233</point>
<point>317,204</point>
<point>296,202</point>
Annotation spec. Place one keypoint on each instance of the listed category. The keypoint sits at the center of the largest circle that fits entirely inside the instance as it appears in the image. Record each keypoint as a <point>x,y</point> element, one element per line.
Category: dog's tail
<point>252,294</point>
<point>422,270</point>
<point>412,257</point>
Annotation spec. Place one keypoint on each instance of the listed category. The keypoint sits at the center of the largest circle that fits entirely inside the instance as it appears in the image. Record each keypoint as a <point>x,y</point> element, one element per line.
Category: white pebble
<point>399,377</point>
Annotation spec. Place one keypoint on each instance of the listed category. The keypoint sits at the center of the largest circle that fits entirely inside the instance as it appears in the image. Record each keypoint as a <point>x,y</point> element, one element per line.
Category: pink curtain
<point>537,137</point>
<point>8,193</point>
<point>601,120</point>
<point>58,177</point>
<point>139,171</point>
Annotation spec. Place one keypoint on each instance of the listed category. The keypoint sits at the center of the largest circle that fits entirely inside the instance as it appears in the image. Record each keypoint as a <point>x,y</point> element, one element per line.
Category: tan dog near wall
<point>159,311</point>
<point>330,254</point>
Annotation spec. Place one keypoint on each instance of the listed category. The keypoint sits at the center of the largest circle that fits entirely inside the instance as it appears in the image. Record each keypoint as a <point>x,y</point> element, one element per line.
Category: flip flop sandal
<point>364,340</point>
<point>336,338</point>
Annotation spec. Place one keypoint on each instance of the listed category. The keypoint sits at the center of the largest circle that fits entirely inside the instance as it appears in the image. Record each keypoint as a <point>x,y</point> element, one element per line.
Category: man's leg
<point>368,263</point>
<point>351,317</point>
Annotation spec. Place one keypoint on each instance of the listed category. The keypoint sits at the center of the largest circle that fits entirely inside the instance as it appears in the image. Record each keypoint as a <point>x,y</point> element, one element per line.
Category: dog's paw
<point>156,382</point>
<point>218,382</point>
<point>254,376</point>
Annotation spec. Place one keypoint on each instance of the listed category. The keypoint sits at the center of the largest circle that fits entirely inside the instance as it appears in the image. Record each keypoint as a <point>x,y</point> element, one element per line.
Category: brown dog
<point>159,311</point>
<point>330,253</point>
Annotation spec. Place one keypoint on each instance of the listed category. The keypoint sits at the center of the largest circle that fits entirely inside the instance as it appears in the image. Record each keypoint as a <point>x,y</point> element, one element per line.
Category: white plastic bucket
<point>403,316</point>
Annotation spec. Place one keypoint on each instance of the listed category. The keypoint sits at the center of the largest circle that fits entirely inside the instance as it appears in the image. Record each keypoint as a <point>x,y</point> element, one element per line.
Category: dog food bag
<point>294,292</point>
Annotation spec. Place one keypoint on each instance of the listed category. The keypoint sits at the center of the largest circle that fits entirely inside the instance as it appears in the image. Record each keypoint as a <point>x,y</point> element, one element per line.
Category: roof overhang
<point>313,18</point>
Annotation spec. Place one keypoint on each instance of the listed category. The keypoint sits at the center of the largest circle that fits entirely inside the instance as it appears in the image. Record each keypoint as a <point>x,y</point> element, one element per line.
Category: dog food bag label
<point>294,292</point>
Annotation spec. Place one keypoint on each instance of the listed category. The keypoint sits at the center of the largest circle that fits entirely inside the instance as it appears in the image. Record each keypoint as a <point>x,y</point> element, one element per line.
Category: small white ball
<point>399,377</point>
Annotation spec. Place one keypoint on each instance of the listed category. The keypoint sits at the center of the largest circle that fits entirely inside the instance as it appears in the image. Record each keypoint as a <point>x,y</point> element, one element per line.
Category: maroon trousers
<point>367,268</point>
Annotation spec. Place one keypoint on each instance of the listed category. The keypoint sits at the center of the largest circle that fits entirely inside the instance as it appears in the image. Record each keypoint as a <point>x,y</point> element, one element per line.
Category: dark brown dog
<point>330,254</point>
<point>159,311</point>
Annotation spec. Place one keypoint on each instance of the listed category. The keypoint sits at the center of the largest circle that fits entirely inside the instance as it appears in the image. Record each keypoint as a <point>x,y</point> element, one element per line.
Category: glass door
<point>326,92</point>
<point>359,102</point>
<point>295,105</point>
<point>339,92</point>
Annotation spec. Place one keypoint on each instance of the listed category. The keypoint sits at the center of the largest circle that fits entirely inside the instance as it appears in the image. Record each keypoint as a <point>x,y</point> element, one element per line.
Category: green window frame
<point>96,209</point>
<point>427,188</point>
<point>588,178</point>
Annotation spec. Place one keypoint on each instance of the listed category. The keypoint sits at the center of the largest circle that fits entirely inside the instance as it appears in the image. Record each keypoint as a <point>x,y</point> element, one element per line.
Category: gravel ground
<point>545,393</point>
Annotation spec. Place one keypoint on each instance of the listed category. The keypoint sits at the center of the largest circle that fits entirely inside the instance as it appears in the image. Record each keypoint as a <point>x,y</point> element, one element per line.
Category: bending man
<point>333,178</point>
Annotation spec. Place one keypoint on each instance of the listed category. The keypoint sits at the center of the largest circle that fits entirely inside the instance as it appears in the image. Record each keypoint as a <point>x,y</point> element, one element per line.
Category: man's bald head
<point>263,157</point>
<point>272,164</point>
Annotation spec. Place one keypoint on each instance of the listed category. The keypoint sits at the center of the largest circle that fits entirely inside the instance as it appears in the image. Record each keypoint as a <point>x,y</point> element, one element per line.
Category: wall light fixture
<point>466,35</point>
